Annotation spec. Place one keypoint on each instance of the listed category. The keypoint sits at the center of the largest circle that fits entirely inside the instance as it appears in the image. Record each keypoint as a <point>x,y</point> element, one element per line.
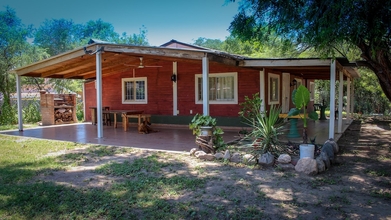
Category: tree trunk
<point>379,62</point>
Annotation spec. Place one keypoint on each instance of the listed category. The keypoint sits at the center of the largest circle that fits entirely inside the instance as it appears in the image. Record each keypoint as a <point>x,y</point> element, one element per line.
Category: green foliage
<point>13,36</point>
<point>200,120</point>
<point>8,114</point>
<point>250,108</point>
<point>215,44</point>
<point>80,111</point>
<point>301,98</point>
<point>57,36</point>
<point>31,112</point>
<point>328,28</point>
<point>266,129</point>
<point>266,126</point>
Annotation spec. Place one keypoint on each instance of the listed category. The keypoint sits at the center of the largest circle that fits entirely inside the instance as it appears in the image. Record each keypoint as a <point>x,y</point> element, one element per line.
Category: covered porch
<point>172,91</point>
<point>177,138</point>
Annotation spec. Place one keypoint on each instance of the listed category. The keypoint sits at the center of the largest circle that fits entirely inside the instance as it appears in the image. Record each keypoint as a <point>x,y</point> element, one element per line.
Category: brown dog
<point>145,128</point>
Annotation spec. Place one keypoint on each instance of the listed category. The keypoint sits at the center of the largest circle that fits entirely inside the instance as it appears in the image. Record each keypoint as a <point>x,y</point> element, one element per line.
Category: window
<point>223,88</point>
<point>274,89</point>
<point>134,90</point>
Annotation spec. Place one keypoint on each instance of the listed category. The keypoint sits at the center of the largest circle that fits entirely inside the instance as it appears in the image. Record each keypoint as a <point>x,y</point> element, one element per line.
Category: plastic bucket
<point>307,150</point>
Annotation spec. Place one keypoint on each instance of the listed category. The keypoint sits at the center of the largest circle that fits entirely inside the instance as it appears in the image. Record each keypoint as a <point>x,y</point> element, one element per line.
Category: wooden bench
<point>145,117</point>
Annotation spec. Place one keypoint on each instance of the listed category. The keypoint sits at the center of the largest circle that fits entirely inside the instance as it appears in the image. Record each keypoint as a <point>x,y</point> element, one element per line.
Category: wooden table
<point>94,113</point>
<point>124,113</point>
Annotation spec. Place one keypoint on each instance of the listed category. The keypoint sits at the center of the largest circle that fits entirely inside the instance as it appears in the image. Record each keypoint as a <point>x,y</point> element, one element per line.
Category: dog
<point>145,128</point>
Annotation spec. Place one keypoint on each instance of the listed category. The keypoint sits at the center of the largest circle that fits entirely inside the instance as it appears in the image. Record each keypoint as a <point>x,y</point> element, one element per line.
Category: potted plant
<point>301,98</point>
<point>205,125</point>
<point>202,124</point>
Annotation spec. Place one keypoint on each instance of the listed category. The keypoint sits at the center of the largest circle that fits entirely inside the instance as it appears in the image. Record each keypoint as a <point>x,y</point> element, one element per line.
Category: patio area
<point>169,138</point>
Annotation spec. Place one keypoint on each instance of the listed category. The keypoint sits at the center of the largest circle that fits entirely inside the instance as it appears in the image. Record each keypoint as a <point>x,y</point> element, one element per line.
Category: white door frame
<point>286,77</point>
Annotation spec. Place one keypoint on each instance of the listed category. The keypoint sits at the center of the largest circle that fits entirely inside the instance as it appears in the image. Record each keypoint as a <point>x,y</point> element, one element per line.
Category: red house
<point>169,82</point>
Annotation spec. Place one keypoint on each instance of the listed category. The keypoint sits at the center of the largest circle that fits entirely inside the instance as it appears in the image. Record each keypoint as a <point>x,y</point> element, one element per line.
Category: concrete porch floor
<point>169,137</point>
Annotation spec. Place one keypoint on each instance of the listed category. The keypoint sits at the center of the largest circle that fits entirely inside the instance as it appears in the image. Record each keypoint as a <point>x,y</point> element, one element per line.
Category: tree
<point>324,25</point>
<point>215,44</point>
<point>134,39</point>
<point>13,50</point>
<point>57,36</point>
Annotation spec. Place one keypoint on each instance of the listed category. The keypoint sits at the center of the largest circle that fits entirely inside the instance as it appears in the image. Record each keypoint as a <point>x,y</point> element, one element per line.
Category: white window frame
<point>274,76</point>
<point>228,74</point>
<point>145,101</point>
<point>312,91</point>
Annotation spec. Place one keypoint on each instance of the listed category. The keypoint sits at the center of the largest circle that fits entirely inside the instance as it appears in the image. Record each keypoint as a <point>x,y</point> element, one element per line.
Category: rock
<point>199,153</point>
<point>227,155</point>
<point>219,156</point>
<point>320,164</point>
<point>325,159</point>
<point>266,159</point>
<point>286,166</point>
<point>329,150</point>
<point>204,156</point>
<point>192,151</point>
<point>249,159</point>
<point>307,165</point>
<point>335,145</point>
<point>284,158</point>
<point>236,158</point>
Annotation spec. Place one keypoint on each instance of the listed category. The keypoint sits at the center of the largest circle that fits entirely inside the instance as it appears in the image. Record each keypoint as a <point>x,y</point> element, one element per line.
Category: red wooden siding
<point>160,94</point>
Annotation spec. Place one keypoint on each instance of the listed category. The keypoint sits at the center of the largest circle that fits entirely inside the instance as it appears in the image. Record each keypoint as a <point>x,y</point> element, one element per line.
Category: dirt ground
<point>357,188</point>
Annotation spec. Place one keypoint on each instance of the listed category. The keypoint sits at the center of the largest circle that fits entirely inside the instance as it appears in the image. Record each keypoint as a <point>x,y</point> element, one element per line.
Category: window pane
<point>199,95</point>
<point>225,88</point>
<point>129,94</point>
<point>140,90</point>
<point>213,87</point>
<point>273,89</point>
<point>221,88</point>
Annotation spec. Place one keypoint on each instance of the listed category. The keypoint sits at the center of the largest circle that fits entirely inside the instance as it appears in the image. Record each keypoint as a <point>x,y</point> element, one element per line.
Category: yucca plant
<point>266,129</point>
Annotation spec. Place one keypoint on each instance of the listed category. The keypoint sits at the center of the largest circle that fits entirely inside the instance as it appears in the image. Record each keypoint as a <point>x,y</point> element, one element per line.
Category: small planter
<point>206,130</point>
<point>307,150</point>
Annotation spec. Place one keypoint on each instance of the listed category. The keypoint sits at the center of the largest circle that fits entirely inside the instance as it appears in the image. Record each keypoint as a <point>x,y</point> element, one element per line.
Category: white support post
<point>19,100</point>
<point>340,102</point>
<point>262,89</point>
<point>205,85</point>
<point>175,89</point>
<point>332,99</point>
<point>352,101</point>
<point>99,93</point>
<point>84,100</point>
<point>348,113</point>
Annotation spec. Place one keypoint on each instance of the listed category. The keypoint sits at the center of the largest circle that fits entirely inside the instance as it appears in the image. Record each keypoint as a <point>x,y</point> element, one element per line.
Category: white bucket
<point>307,150</point>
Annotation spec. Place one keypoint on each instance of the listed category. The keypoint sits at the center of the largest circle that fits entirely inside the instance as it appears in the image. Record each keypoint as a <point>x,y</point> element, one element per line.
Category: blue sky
<point>182,20</point>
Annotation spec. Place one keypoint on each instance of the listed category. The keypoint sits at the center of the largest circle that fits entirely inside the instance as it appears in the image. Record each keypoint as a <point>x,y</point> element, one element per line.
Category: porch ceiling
<point>311,68</point>
<point>77,64</point>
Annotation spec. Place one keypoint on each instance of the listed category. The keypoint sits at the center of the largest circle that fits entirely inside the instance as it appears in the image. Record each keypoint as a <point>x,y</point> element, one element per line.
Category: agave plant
<point>266,129</point>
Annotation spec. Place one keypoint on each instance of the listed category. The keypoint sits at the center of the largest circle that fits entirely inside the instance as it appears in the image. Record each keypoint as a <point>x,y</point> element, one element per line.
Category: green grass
<point>15,127</point>
<point>23,158</point>
<point>145,192</point>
